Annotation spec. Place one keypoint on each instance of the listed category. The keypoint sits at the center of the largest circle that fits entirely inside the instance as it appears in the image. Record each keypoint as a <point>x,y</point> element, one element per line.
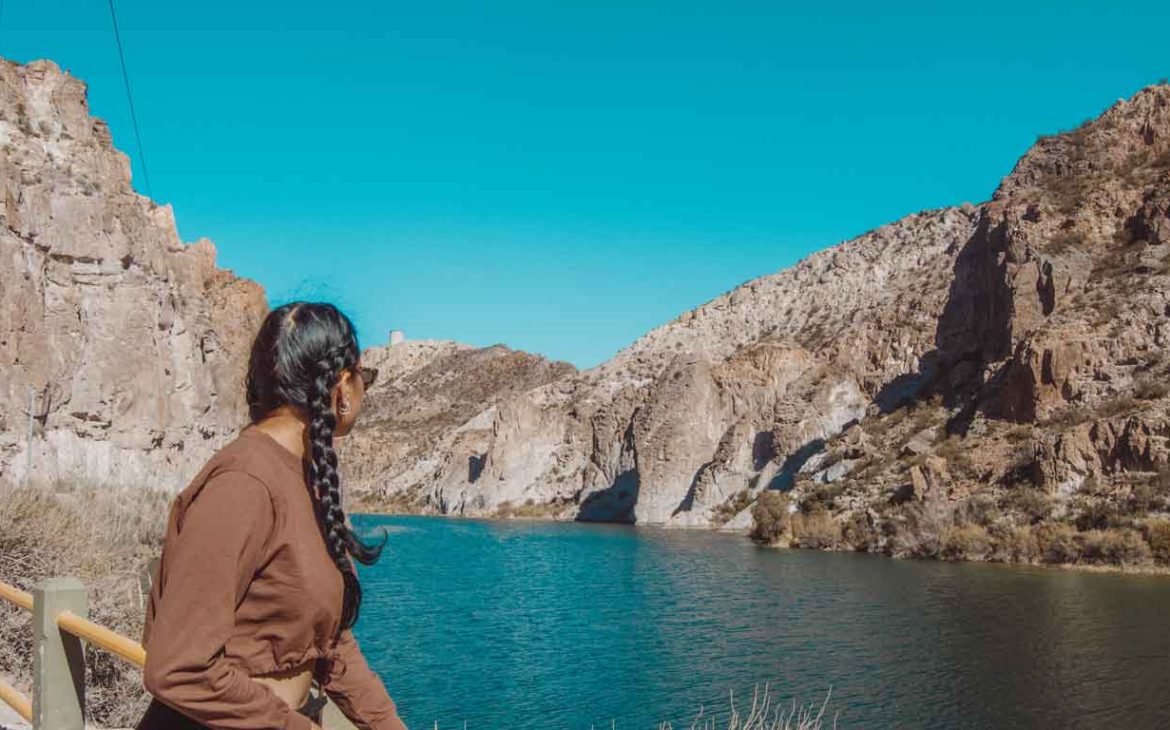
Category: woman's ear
<point>342,391</point>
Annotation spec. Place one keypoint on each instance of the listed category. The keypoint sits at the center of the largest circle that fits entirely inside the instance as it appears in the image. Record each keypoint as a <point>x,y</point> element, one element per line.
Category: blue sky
<point>561,177</point>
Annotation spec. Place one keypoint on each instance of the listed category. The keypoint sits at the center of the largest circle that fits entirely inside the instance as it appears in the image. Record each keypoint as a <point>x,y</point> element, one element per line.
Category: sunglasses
<point>369,375</point>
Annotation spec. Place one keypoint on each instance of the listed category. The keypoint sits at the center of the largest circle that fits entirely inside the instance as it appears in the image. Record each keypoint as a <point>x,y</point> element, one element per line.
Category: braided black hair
<point>297,357</point>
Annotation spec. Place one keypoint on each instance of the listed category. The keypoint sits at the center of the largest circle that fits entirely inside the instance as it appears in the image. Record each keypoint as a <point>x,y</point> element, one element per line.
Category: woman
<point>256,592</point>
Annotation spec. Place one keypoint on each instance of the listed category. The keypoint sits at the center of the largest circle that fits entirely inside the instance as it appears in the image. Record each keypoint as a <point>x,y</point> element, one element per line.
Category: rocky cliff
<point>128,344</point>
<point>1006,360</point>
<point>961,374</point>
<point>428,420</point>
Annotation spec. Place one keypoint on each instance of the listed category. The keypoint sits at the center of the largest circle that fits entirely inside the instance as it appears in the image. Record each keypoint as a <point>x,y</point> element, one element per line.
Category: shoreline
<point>1149,570</point>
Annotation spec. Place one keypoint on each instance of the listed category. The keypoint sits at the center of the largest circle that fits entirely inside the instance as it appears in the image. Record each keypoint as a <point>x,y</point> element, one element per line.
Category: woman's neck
<point>288,428</point>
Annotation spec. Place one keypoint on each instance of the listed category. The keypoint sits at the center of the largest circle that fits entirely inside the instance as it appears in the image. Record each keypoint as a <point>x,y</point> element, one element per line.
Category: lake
<point>538,625</point>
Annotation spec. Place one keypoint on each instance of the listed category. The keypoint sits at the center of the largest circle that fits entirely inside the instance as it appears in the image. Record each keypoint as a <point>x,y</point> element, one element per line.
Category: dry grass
<point>102,535</point>
<point>530,510</point>
<point>964,542</point>
<point>765,714</point>
<point>1114,547</point>
<point>818,530</point>
<point>1157,534</point>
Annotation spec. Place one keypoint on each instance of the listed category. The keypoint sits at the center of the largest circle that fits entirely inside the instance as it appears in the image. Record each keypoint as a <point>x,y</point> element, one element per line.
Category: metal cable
<point>130,99</point>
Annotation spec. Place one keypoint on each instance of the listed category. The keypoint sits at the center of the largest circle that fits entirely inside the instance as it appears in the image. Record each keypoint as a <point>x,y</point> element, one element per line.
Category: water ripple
<point>532,625</point>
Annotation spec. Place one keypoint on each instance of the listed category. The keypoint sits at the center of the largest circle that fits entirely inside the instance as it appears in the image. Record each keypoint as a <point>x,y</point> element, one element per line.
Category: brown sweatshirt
<point>246,586</point>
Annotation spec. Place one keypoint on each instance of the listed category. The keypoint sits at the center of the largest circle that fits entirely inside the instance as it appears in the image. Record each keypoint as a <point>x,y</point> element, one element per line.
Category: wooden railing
<point>60,611</point>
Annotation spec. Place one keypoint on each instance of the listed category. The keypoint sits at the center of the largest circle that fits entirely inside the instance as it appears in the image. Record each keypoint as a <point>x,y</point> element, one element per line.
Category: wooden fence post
<point>58,657</point>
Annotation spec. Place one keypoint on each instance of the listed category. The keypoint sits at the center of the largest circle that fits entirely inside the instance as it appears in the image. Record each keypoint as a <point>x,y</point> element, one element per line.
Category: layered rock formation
<point>971,351</point>
<point>429,421</point>
<point>128,342</point>
<point>1006,359</point>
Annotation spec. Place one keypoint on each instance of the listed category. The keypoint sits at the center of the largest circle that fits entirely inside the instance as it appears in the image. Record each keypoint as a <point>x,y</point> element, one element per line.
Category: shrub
<point>1091,485</point>
<point>1117,406</point>
<point>1092,545</point>
<point>1126,547</point>
<point>822,496</point>
<point>979,509</point>
<point>1057,543</point>
<point>1067,418</point>
<point>965,542</point>
<point>1150,389</point>
<point>1141,497</point>
<point>1066,240</point>
<point>1157,534</point>
<point>1116,547</point>
<point>858,533</point>
<point>1015,544</point>
<point>1021,467</point>
<point>817,530</point>
<point>955,451</point>
<point>733,506</point>
<point>1098,516</point>
<point>1161,481</point>
<point>917,527</point>
<point>770,517</point>
<point>1033,503</point>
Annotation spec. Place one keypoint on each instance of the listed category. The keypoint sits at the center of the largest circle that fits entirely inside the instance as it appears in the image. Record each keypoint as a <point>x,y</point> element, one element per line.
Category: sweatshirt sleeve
<point>358,692</point>
<point>217,548</point>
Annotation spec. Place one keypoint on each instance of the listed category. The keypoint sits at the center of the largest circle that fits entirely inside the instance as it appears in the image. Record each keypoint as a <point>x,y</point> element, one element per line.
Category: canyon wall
<point>127,342</point>
<point>1007,358</point>
<point>989,350</point>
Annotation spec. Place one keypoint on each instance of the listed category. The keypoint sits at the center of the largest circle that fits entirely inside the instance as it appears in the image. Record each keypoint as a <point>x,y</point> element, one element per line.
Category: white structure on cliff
<point>396,337</point>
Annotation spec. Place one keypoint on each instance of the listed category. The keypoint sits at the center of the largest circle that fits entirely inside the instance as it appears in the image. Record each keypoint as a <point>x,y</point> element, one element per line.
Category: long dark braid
<point>298,357</point>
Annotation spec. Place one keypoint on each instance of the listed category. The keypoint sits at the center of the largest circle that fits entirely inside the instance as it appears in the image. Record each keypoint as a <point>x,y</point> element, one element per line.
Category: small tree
<point>770,517</point>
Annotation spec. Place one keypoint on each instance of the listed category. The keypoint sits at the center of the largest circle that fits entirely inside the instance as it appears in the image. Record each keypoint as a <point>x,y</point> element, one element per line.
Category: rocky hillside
<point>424,409</point>
<point>964,381</point>
<point>1004,364</point>
<point>130,342</point>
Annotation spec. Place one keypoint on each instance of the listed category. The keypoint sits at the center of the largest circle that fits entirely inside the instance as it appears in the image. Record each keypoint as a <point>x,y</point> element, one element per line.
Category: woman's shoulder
<point>251,458</point>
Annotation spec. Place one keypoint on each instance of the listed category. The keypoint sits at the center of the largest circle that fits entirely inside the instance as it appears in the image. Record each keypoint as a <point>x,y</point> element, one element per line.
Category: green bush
<point>770,517</point>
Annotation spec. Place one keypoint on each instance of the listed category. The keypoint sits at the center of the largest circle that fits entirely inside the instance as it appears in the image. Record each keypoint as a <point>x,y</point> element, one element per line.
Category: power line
<point>130,99</point>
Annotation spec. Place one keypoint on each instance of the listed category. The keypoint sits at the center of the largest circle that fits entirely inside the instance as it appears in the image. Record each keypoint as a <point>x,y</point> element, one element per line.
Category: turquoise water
<point>536,625</point>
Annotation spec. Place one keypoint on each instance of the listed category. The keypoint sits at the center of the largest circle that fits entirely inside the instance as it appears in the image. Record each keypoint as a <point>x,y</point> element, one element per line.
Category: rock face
<point>432,418</point>
<point>130,342</point>
<point>736,394</point>
<point>980,350</point>
<point>1004,363</point>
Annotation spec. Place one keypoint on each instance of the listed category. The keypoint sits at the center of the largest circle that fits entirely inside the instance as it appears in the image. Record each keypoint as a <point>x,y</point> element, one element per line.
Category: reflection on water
<point>533,625</point>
